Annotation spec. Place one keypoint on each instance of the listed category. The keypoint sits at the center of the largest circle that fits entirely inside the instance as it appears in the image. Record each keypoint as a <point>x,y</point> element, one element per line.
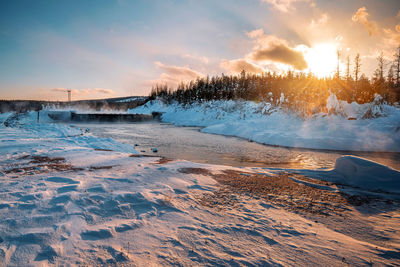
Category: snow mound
<point>368,174</point>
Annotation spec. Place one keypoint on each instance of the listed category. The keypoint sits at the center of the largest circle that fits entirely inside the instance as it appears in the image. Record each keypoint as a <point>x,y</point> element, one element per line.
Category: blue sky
<point>119,47</point>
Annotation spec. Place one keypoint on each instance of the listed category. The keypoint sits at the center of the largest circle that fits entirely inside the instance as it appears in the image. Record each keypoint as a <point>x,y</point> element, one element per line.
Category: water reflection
<point>189,143</point>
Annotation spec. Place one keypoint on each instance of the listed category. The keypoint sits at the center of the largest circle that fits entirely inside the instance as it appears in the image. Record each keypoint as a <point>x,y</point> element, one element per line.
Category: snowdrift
<point>54,135</point>
<point>351,127</point>
<point>367,174</point>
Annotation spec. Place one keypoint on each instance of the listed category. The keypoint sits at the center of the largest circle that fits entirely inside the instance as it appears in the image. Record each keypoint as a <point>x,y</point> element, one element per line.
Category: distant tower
<point>69,95</point>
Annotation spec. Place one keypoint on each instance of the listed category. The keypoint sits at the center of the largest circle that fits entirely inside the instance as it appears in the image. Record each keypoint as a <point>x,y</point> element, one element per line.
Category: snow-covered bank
<point>52,136</point>
<point>68,198</point>
<point>367,127</point>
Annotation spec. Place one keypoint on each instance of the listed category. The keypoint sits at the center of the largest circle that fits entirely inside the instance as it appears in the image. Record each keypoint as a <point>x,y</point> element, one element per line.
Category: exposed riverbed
<point>188,143</point>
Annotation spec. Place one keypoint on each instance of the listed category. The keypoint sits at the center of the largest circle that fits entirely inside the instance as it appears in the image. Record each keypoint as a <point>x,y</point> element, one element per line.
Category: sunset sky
<point>111,48</point>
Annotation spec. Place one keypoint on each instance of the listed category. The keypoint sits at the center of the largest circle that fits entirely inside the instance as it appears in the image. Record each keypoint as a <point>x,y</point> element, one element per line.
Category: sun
<point>322,59</point>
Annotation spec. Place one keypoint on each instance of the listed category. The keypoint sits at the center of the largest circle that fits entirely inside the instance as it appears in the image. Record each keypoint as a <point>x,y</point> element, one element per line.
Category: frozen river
<point>188,143</point>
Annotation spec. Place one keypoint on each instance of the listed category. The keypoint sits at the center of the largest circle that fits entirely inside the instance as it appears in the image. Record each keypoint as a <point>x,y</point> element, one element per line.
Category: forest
<point>297,91</point>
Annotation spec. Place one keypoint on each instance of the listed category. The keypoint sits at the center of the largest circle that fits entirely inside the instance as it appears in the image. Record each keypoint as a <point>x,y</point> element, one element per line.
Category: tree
<point>357,65</point>
<point>348,76</point>
<point>338,53</point>
<point>397,66</point>
<point>390,75</point>
<point>381,66</point>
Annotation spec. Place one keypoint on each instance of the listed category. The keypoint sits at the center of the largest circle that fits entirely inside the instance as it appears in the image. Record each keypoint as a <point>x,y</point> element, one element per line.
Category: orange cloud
<point>237,65</point>
<point>85,92</point>
<point>283,54</point>
<point>362,16</point>
<point>173,75</point>
<point>271,48</point>
<point>255,34</point>
<point>391,39</point>
<point>321,21</point>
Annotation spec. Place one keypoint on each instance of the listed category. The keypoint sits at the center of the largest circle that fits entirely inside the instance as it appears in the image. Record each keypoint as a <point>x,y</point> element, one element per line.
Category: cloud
<point>362,16</point>
<point>91,92</point>
<point>286,5</point>
<point>178,72</point>
<point>237,65</point>
<point>59,89</point>
<point>272,48</point>
<point>321,21</point>
<point>255,34</point>
<point>104,91</point>
<point>391,39</point>
<point>283,54</point>
<point>173,75</point>
<point>203,60</point>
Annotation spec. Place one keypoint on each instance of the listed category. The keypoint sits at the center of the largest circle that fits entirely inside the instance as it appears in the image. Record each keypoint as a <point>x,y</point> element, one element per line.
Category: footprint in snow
<point>96,235</point>
<point>62,180</point>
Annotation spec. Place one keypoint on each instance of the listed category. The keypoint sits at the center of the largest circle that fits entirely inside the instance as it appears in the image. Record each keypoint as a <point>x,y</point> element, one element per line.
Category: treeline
<point>299,91</point>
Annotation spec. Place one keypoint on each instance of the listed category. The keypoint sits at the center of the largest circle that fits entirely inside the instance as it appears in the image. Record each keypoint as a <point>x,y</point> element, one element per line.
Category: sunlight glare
<point>322,59</point>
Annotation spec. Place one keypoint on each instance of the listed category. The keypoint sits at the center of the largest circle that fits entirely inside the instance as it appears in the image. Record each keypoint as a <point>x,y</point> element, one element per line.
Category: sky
<point>113,48</point>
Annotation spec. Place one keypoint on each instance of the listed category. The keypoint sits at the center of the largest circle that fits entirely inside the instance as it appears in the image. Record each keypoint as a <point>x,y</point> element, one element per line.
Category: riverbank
<point>191,144</point>
<point>68,197</point>
<point>344,127</point>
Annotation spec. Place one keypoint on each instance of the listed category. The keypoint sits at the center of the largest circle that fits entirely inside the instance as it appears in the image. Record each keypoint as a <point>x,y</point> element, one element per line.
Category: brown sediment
<point>42,164</point>
<point>162,160</point>
<point>142,156</point>
<point>102,149</point>
<point>280,190</point>
<point>94,168</point>
<point>195,171</point>
<point>45,159</point>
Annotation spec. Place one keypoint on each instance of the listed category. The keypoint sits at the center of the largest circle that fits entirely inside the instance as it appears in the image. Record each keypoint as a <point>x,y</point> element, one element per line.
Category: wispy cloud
<point>173,75</point>
<point>89,92</point>
<point>204,60</point>
<point>319,22</point>
<point>237,65</point>
<point>362,16</point>
<point>285,5</point>
<point>391,39</point>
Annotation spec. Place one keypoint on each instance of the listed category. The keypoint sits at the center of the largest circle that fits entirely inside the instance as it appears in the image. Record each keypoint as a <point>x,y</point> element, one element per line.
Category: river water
<point>188,143</point>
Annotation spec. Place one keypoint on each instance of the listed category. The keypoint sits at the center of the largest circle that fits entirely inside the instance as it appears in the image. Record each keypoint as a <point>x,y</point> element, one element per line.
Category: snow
<point>372,126</point>
<point>368,174</point>
<point>109,208</point>
<point>130,99</point>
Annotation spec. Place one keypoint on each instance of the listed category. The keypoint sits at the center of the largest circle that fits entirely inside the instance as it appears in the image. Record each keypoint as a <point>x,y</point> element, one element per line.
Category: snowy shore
<point>343,127</point>
<point>71,198</point>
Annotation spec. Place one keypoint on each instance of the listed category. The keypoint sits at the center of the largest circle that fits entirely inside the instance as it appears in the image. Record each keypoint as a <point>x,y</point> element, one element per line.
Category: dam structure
<point>103,117</point>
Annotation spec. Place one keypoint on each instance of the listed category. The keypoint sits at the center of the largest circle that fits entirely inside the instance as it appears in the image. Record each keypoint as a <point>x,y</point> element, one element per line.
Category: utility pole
<point>69,95</point>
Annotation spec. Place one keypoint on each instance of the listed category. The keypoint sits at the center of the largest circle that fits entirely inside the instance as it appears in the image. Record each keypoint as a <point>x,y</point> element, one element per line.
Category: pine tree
<point>338,53</point>
<point>397,66</point>
<point>357,65</point>
<point>348,75</point>
<point>381,66</point>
